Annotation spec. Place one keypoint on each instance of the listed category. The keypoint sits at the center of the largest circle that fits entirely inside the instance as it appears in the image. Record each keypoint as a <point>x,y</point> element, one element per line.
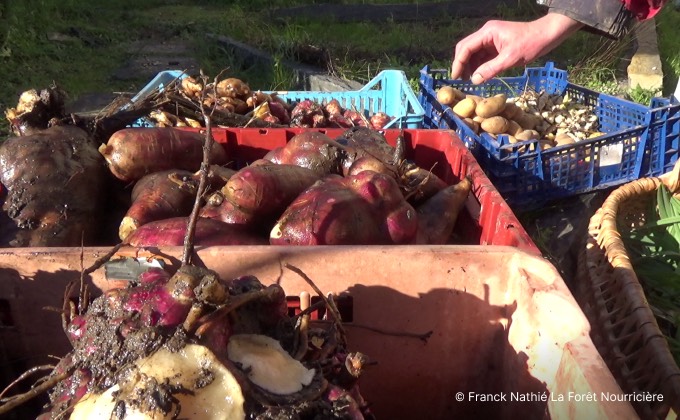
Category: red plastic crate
<point>488,219</point>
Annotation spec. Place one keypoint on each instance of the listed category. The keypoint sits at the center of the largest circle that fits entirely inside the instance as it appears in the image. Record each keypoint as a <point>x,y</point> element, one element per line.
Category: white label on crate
<point>611,154</point>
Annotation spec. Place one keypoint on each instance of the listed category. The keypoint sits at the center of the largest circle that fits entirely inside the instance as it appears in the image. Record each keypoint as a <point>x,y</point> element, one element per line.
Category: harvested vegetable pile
<point>192,345</point>
<point>553,120</point>
<point>72,181</point>
<point>352,190</point>
<point>234,104</point>
<point>188,344</point>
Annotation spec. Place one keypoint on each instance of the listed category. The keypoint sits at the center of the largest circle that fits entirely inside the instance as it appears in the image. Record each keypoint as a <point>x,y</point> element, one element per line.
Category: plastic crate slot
<point>344,303</point>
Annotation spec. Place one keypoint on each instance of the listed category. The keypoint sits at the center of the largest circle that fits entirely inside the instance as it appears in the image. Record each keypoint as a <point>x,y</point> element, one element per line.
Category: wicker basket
<point>624,328</point>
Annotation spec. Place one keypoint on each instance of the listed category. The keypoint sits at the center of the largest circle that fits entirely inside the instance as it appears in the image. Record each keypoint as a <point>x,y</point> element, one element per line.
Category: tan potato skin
<point>465,108</point>
<point>491,107</point>
<point>495,125</point>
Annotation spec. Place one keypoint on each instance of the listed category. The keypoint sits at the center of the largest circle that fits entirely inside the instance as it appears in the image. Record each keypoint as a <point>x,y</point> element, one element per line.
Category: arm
<point>500,45</point>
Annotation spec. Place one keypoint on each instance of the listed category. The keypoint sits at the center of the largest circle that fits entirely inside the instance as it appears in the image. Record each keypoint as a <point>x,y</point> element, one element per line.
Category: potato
<point>363,209</point>
<point>256,98</point>
<point>491,107</point>
<point>478,119</point>
<point>55,187</point>
<point>310,149</point>
<point>465,108</point>
<point>133,152</point>
<point>448,95</point>
<point>545,144</point>
<point>564,138</point>
<point>510,110</point>
<point>438,215</point>
<point>171,232</point>
<point>232,87</point>
<point>233,104</point>
<point>474,125</point>
<point>513,127</point>
<point>495,125</point>
<point>460,95</point>
<point>595,135</point>
<point>267,189</point>
<point>526,121</point>
<point>475,98</point>
<point>159,195</point>
<point>527,135</point>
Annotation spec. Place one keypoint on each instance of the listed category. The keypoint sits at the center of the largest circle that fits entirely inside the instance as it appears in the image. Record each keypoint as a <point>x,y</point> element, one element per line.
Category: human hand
<point>500,45</point>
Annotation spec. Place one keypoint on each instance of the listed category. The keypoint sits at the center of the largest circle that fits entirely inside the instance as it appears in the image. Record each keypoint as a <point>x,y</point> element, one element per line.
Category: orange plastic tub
<point>508,340</point>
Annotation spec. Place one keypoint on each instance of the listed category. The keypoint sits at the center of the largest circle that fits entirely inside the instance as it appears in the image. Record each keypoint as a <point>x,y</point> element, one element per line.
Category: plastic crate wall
<point>388,92</point>
<point>639,140</point>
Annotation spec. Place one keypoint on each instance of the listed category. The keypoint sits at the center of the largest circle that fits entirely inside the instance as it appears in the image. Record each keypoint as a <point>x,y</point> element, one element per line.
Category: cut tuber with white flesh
<point>190,383</point>
<point>267,364</point>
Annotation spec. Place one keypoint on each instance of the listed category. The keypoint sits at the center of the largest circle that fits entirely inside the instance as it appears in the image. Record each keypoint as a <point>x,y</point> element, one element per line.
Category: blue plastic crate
<point>388,92</point>
<point>639,141</point>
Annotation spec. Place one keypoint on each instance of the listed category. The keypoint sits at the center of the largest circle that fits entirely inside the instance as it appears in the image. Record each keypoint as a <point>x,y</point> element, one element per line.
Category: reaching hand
<point>500,45</point>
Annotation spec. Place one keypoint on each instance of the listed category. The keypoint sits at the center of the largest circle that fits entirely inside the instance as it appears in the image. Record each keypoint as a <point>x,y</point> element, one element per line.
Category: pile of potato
<point>553,120</point>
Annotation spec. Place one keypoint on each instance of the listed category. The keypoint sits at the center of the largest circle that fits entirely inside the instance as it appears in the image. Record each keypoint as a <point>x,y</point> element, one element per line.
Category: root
<point>24,376</point>
<point>234,303</point>
<point>410,191</point>
<point>69,311</point>
<point>34,392</point>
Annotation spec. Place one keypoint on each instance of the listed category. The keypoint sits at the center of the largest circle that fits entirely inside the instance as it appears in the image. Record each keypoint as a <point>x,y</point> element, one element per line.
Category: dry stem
<point>202,184</point>
<point>421,336</point>
<point>332,309</point>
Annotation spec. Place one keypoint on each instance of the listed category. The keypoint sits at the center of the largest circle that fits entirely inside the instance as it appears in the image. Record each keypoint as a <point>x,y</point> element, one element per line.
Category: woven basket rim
<point>605,241</point>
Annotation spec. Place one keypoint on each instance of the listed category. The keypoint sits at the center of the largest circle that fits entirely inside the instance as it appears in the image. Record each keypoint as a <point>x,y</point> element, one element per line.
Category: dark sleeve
<point>606,17</point>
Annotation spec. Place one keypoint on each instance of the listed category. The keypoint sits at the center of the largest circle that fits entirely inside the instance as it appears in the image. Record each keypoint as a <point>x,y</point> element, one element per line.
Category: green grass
<point>82,61</point>
<point>669,45</point>
<point>95,38</point>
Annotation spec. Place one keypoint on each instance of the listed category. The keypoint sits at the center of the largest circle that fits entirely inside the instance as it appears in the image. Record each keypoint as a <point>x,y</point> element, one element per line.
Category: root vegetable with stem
<point>125,341</point>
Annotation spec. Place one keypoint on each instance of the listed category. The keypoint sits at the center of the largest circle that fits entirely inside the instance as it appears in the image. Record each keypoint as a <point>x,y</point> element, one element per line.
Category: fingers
<point>460,68</point>
<point>486,71</point>
<point>494,67</point>
<point>465,51</point>
<point>496,47</point>
<point>476,62</point>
